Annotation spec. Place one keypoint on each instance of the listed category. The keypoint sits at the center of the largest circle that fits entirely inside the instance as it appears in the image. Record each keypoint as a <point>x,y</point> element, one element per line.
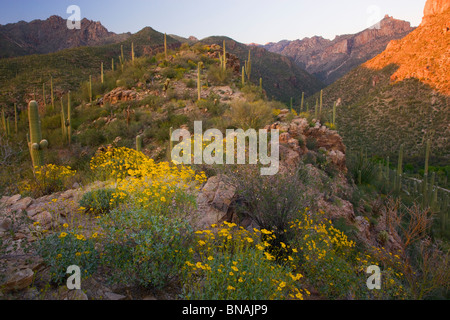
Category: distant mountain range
<point>329,60</point>
<point>52,35</point>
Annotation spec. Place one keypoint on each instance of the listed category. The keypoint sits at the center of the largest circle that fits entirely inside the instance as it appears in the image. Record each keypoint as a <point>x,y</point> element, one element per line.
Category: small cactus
<point>36,144</point>
<point>303,101</point>
<point>139,143</point>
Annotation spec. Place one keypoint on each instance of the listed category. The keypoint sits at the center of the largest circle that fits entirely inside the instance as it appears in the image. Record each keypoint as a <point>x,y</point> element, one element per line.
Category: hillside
<point>329,60</point>
<point>52,35</point>
<point>282,78</point>
<point>70,67</point>
<point>401,96</point>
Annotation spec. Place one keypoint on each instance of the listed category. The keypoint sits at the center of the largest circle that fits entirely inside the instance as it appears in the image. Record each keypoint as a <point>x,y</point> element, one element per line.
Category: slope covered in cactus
<point>71,66</point>
<point>149,97</point>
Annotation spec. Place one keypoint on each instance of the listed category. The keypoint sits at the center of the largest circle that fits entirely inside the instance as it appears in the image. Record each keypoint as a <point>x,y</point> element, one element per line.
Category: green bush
<point>250,115</point>
<point>98,201</point>
<point>61,250</point>
<point>145,248</point>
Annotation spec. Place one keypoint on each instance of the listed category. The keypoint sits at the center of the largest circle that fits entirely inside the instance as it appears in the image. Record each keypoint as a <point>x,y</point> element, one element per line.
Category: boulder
<point>19,280</point>
<point>214,200</point>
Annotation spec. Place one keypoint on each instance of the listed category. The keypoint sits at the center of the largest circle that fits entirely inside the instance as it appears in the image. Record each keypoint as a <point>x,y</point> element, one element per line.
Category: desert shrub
<point>233,264</point>
<point>191,84</point>
<point>363,169</point>
<point>271,201</point>
<point>91,137</point>
<point>218,76</point>
<point>49,179</point>
<point>98,201</point>
<point>333,265</point>
<point>250,115</point>
<point>64,249</point>
<point>144,247</point>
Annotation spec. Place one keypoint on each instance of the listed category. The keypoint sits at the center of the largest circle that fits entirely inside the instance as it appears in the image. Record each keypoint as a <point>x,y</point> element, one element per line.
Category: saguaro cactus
<point>303,101</point>
<point>334,114</point>
<point>16,119</point>
<point>101,75</point>
<point>248,66</point>
<point>43,95</point>
<point>243,76</point>
<point>132,53</point>
<point>398,178</point>
<point>63,120</point>
<point>52,93</point>
<point>3,120</point>
<point>35,142</point>
<point>90,89</point>
<point>165,45</point>
<point>224,65</point>
<point>199,85</point>
<point>321,102</point>
<point>139,143</point>
<point>68,123</point>
<point>112,64</point>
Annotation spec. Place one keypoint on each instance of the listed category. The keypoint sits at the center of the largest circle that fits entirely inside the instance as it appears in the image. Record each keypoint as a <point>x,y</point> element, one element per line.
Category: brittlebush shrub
<point>334,266</point>
<point>143,247</point>
<point>67,248</point>
<point>230,263</point>
<point>250,115</point>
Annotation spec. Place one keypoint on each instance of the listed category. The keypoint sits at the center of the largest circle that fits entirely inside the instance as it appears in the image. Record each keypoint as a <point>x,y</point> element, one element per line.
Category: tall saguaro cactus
<point>51,93</point>
<point>321,102</point>
<point>16,119</point>
<point>248,66</point>
<point>132,53</point>
<point>165,45</point>
<point>90,89</point>
<point>35,142</point>
<point>102,75</point>
<point>199,85</point>
<point>303,101</point>
<point>68,123</point>
<point>398,178</point>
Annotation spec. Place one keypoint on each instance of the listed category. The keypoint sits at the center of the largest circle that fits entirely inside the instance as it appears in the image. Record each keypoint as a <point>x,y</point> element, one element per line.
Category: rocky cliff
<point>51,35</point>
<point>330,60</point>
<point>424,53</point>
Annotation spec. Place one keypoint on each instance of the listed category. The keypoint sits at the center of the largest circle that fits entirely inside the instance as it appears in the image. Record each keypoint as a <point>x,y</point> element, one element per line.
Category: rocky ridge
<point>331,59</point>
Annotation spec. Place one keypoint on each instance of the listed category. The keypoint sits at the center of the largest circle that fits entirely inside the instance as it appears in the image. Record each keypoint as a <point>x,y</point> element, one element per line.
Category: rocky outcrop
<point>422,54</point>
<point>331,59</point>
<point>434,7</point>
<point>119,95</point>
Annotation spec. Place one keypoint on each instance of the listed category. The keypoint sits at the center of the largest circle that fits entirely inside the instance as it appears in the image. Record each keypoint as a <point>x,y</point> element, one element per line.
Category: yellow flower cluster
<point>321,237</point>
<point>52,172</point>
<point>133,174</point>
<point>242,261</point>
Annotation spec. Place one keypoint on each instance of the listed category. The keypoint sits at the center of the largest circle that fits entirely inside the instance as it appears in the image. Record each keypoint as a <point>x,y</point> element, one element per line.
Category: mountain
<point>402,96</point>
<point>329,60</point>
<point>51,35</point>
<point>281,77</point>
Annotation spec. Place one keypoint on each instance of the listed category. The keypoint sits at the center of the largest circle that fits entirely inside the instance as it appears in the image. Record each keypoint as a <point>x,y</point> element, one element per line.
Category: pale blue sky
<point>246,21</point>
